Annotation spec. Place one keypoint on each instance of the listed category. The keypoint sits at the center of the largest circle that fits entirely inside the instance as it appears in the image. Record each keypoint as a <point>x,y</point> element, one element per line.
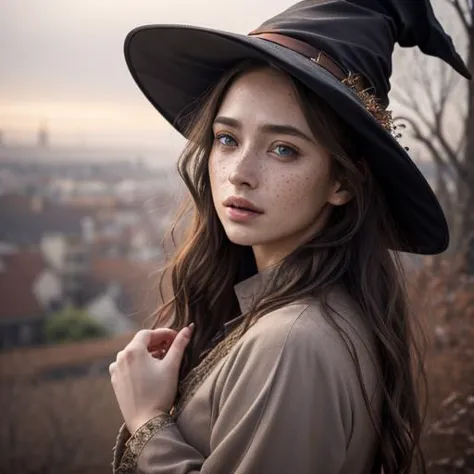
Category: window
<point>25,334</point>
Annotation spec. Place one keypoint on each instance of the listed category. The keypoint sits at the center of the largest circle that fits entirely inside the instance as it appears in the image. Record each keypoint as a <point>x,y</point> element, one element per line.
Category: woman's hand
<point>145,374</point>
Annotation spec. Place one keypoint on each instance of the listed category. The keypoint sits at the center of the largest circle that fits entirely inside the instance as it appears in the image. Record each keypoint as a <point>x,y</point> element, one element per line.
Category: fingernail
<point>189,330</point>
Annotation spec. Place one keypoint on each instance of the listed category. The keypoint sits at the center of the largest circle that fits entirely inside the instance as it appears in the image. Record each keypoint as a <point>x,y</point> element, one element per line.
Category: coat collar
<point>246,291</point>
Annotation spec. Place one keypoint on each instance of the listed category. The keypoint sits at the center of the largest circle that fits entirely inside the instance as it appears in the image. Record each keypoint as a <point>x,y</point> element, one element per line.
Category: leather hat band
<point>312,53</point>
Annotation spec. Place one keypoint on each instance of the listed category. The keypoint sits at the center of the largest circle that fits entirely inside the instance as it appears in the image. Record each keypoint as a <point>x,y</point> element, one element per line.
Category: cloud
<point>63,60</point>
<point>73,49</point>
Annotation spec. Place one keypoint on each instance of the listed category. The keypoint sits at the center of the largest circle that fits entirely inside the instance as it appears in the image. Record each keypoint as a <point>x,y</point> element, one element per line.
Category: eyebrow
<point>266,128</point>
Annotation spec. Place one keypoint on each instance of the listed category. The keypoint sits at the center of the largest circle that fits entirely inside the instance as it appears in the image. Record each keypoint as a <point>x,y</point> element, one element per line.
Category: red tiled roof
<point>139,280</point>
<point>24,226</point>
<point>15,202</point>
<point>16,284</point>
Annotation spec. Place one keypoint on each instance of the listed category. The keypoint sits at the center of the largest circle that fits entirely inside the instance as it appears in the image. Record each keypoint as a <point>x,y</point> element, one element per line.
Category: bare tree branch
<point>448,80</point>
<point>428,141</point>
<point>443,192</point>
<point>467,6</point>
<point>462,13</point>
<point>434,102</point>
<point>436,133</point>
<point>405,97</point>
<point>450,152</point>
<point>426,96</point>
<point>461,144</point>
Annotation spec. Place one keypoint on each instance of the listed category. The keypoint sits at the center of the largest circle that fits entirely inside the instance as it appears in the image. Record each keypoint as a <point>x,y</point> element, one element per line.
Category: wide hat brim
<point>174,65</point>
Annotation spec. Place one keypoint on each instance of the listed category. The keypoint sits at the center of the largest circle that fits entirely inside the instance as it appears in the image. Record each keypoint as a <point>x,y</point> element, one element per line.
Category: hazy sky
<point>62,60</point>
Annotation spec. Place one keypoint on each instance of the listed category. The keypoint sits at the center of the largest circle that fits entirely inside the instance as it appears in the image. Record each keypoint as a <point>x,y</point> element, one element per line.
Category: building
<point>24,220</point>
<point>115,292</point>
<point>43,136</point>
<point>22,315</point>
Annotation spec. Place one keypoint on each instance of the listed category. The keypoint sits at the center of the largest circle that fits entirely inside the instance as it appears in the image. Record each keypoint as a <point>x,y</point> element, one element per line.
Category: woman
<point>300,357</point>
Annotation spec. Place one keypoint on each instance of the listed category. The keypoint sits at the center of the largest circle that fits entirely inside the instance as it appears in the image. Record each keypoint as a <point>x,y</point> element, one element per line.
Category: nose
<point>244,172</point>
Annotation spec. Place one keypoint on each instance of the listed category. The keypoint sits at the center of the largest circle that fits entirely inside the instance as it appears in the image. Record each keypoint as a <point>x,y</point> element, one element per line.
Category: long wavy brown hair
<point>352,250</point>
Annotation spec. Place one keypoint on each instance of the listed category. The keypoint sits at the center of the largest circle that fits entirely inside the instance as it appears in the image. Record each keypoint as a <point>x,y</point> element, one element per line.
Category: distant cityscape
<point>40,143</point>
<point>79,228</point>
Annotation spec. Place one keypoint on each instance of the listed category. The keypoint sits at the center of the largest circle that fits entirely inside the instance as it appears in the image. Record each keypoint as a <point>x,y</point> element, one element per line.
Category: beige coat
<point>282,398</point>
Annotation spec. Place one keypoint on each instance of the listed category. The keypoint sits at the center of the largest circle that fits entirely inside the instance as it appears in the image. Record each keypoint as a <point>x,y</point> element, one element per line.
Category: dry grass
<point>445,300</point>
<point>60,424</point>
<point>58,427</point>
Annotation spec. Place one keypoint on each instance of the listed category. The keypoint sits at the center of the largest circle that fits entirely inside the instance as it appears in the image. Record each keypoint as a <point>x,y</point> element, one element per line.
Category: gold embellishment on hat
<point>353,81</point>
<point>371,103</point>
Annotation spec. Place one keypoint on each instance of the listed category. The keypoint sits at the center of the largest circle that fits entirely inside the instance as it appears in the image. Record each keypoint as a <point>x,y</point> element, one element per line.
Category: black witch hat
<point>322,43</point>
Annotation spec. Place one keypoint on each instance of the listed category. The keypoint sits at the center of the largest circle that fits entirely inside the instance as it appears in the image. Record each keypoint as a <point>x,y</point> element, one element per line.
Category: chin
<point>245,237</point>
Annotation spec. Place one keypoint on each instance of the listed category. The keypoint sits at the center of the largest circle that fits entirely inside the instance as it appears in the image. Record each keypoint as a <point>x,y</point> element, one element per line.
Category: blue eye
<point>285,151</point>
<point>226,140</point>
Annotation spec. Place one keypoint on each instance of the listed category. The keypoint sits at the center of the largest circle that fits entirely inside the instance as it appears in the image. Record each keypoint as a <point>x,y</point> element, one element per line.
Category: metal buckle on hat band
<point>316,60</point>
<point>314,54</point>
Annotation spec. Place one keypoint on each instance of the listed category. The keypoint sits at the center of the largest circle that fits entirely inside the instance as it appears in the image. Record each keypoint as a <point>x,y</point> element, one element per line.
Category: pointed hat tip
<point>466,73</point>
<point>460,66</point>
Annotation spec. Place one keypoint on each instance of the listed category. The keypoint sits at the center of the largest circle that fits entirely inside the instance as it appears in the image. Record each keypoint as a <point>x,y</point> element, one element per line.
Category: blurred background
<point>88,187</point>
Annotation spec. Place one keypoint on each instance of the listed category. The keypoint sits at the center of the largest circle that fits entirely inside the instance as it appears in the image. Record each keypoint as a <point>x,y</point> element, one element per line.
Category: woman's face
<point>265,153</point>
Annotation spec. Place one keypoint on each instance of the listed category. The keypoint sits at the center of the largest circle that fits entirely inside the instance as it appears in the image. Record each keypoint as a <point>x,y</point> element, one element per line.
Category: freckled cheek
<point>289,192</point>
<point>218,170</point>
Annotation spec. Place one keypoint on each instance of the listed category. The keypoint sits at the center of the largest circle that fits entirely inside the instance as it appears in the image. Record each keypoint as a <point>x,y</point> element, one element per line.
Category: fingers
<point>160,353</point>
<point>152,338</point>
<point>176,350</point>
<point>157,342</point>
<point>141,338</point>
<point>161,339</point>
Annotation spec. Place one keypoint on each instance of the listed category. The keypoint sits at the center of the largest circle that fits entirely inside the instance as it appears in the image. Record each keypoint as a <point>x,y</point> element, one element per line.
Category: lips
<point>242,204</point>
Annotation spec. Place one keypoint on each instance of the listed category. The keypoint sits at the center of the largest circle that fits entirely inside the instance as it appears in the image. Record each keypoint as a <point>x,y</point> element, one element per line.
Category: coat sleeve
<point>282,406</point>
